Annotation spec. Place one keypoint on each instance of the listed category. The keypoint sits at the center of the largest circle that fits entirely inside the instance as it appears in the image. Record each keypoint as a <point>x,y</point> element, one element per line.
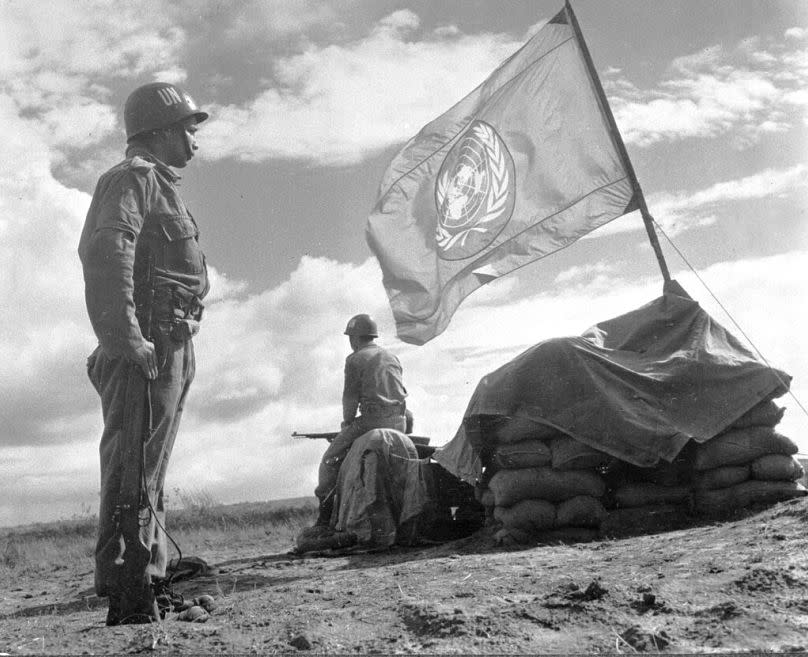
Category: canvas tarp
<point>381,490</point>
<point>637,387</point>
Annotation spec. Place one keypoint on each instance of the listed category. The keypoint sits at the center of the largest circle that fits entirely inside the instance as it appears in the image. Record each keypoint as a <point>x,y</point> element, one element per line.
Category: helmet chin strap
<point>189,151</point>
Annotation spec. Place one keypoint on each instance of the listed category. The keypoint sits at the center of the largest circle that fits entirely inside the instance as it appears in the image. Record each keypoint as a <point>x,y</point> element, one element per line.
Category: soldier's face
<point>180,144</point>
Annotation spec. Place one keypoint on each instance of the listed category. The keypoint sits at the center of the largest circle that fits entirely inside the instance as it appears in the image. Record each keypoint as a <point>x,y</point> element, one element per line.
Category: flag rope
<point>729,314</point>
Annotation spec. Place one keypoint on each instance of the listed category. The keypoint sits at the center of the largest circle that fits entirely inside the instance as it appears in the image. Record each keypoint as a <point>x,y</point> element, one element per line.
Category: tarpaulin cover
<point>382,485</point>
<point>638,386</point>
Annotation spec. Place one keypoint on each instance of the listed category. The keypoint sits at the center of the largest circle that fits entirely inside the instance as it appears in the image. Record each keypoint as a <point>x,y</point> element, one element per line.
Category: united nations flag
<point>524,165</point>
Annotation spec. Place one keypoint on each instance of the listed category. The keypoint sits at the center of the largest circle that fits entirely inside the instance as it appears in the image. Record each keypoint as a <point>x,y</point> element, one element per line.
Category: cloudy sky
<point>309,101</point>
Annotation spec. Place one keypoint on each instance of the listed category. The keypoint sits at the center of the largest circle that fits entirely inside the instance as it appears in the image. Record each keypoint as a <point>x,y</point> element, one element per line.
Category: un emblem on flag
<point>474,193</point>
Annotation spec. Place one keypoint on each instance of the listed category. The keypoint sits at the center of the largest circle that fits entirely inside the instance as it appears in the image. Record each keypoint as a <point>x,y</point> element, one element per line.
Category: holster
<point>184,329</point>
<point>178,309</point>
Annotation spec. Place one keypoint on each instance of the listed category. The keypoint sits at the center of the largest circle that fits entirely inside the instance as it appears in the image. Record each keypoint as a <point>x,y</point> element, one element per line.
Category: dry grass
<point>200,523</point>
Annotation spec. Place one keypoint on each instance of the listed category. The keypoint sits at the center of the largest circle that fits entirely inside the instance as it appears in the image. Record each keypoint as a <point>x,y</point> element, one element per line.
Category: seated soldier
<point>374,389</point>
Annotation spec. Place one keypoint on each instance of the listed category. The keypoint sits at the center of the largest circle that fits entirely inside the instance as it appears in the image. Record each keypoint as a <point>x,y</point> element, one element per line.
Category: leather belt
<point>374,409</point>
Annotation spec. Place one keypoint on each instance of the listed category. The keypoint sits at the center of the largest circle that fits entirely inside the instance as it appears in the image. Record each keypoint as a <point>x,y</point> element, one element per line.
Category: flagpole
<point>621,147</point>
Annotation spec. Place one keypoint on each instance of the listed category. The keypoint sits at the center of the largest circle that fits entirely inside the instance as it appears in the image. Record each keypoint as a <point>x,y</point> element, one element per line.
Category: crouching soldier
<point>144,276</point>
<point>374,389</point>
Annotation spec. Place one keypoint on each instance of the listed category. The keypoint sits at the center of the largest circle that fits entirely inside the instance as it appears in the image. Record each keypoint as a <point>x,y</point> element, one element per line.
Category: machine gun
<point>421,443</point>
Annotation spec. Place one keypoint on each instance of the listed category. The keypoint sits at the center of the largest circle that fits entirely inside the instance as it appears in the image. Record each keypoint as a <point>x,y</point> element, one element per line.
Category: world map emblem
<point>474,193</point>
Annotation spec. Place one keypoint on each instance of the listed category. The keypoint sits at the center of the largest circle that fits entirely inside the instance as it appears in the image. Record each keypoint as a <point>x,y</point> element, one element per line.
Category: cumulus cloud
<point>173,75</point>
<point>796,33</point>
<point>714,92</point>
<point>40,284</point>
<point>585,273</point>
<point>338,103</point>
<point>57,61</point>
<point>284,345</point>
<point>272,18</point>
<point>87,39</point>
<point>54,481</point>
<point>678,212</point>
<point>335,104</point>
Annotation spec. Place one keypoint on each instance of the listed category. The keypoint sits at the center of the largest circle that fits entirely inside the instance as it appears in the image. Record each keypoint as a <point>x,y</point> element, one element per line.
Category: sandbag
<point>484,496</point>
<point>580,511</point>
<point>571,454</point>
<point>722,477</point>
<point>741,446</point>
<point>764,414</point>
<point>725,500</point>
<point>511,486</point>
<point>524,454</point>
<point>642,494</point>
<point>777,467</point>
<point>644,519</point>
<point>511,536</point>
<point>527,515</point>
<point>517,429</point>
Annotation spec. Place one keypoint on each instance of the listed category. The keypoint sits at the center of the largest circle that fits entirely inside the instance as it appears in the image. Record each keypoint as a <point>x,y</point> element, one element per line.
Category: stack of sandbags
<point>642,500</point>
<point>750,463</point>
<point>546,489</point>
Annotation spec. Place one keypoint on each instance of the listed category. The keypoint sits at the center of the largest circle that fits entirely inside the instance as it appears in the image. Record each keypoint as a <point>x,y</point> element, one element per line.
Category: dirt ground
<point>737,585</point>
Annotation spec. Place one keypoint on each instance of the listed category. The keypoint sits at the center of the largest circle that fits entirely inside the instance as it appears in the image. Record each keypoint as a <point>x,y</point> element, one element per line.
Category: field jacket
<point>373,383</point>
<point>138,237</point>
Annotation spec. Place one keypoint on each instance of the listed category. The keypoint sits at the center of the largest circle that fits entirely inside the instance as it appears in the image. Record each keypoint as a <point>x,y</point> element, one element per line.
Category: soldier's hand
<point>146,357</point>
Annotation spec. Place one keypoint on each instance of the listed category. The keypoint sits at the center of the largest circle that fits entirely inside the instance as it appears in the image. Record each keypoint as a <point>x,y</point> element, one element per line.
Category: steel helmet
<point>362,325</point>
<point>158,105</point>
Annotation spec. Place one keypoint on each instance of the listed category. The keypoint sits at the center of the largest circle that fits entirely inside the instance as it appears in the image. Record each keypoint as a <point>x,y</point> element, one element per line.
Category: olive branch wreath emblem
<point>497,195</point>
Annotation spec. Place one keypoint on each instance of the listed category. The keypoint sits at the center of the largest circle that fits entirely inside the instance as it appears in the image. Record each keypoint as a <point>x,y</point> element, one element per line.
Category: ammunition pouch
<point>176,304</point>
<point>177,310</point>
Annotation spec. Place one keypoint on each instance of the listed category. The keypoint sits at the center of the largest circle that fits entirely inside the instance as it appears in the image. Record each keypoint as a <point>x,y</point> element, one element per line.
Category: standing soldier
<point>374,387</point>
<point>144,276</point>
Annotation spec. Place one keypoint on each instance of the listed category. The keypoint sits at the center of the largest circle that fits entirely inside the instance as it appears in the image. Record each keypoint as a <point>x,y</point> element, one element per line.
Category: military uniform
<point>145,276</point>
<point>374,387</point>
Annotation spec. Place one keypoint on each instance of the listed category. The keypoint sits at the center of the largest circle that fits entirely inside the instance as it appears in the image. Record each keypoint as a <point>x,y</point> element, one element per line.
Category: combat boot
<point>132,603</point>
<point>123,610</point>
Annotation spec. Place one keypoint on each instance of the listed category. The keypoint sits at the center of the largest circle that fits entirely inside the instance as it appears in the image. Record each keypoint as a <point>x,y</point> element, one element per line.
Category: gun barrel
<point>324,434</point>
<point>419,441</point>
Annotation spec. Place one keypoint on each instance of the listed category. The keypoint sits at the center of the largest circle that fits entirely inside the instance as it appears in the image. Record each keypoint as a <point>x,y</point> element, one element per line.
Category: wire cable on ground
<point>732,319</point>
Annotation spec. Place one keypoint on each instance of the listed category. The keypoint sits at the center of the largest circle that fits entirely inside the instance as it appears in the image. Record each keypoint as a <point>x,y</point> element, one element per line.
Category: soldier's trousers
<point>131,547</point>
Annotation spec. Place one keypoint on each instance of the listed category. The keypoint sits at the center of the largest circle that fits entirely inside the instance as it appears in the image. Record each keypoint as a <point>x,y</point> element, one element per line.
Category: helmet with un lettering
<point>362,325</point>
<point>158,105</point>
